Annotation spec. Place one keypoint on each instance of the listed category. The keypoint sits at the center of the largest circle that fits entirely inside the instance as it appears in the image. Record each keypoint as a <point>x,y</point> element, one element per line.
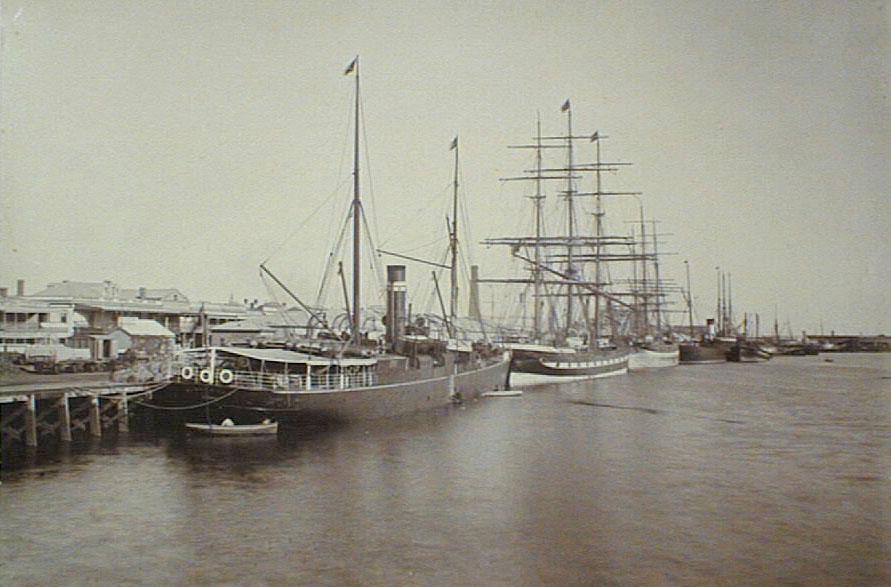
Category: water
<point>734,474</point>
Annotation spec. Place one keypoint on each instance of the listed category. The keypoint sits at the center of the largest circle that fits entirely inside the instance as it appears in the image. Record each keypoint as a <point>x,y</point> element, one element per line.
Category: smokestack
<point>4,292</point>
<point>474,310</point>
<point>710,328</point>
<point>397,304</point>
<point>20,288</point>
<point>141,294</point>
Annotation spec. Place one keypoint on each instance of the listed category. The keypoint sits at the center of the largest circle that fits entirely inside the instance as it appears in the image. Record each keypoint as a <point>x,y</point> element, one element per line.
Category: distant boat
<point>703,352</point>
<point>654,355</point>
<point>233,429</point>
<point>746,351</point>
<point>503,393</point>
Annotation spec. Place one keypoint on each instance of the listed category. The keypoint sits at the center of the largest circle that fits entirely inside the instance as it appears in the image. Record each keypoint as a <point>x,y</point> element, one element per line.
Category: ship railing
<point>280,382</point>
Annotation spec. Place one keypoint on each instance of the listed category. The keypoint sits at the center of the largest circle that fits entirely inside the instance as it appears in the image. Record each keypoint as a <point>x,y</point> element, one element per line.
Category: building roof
<point>247,325</point>
<point>141,327</point>
<point>107,290</point>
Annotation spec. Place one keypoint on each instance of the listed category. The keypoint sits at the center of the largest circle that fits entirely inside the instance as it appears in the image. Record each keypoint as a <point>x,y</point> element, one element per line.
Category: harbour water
<point>714,474</point>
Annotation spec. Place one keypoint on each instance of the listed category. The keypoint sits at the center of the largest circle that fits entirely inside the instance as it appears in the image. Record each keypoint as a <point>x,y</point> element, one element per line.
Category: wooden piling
<point>30,421</point>
<point>64,418</point>
<point>123,414</point>
<point>95,418</point>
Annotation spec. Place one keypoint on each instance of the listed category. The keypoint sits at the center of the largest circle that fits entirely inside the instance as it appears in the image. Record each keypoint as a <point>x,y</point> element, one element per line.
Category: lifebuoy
<point>187,372</point>
<point>226,376</point>
<point>206,376</point>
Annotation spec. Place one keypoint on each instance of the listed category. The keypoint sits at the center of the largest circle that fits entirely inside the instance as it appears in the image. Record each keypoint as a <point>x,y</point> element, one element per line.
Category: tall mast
<point>598,232</point>
<point>357,211</point>
<point>723,304</point>
<point>453,302</point>
<point>644,285</point>
<point>536,270</point>
<point>570,271</point>
<point>689,297</point>
<point>718,307</point>
<point>729,300</point>
<point>658,288</point>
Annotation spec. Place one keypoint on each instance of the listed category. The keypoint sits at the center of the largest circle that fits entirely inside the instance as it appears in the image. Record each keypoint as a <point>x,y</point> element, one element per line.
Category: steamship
<point>337,379</point>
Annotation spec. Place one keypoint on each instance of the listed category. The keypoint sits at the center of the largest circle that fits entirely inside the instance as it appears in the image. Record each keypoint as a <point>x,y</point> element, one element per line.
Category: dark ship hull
<point>704,352</point>
<point>419,389</point>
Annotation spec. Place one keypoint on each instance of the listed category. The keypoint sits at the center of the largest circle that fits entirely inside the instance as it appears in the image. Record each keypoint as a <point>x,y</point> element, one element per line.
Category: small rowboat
<point>234,429</point>
<point>504,393</point>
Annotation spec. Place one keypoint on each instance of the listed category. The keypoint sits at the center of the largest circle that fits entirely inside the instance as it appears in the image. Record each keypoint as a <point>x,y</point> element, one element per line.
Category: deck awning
<point>285,356</point>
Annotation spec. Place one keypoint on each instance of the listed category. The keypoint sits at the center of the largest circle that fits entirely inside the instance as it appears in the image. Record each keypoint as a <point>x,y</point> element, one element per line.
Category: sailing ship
<point>573,344</point>
<point>652,346</point>
<point>338,379</point>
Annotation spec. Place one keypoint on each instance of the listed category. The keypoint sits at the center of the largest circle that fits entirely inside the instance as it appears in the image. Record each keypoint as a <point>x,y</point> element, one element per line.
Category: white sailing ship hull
<point>647,359</point>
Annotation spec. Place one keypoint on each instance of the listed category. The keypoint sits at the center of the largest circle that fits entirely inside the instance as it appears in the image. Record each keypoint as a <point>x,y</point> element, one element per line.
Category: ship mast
<point>453,244</point>
<point>570,216</point>
<point>598,233</point>
<point>357,212</point>
<point>658,288</point>
<point>689,298</point>
<point>536,269</point>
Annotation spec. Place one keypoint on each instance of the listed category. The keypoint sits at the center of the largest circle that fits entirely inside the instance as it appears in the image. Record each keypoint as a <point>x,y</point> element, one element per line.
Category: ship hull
<point>530,367</point>
<point>747,353</point>
<point>643,358</point>
<point>436,388</point>
<point>702,353</point>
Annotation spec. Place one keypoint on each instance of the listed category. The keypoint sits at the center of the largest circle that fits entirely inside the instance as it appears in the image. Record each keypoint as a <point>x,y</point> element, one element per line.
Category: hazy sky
<point>179,144</point>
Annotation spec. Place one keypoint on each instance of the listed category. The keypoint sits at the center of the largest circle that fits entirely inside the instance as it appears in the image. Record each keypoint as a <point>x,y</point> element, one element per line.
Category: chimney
<point>397,298</point>
<point>141,294</point>
<point>474,310</point>
<point>4,292</point>
<point>20,288</point>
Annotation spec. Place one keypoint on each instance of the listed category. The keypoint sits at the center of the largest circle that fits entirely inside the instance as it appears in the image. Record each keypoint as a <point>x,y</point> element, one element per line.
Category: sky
<point>181,144</point>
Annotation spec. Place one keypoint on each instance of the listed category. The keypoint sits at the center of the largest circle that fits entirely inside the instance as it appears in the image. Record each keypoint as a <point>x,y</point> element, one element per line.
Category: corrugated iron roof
<point>142,327</point>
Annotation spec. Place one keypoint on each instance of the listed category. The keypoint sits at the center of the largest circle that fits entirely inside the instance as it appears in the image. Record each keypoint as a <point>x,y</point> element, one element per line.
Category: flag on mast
<point>565,106</point>
<point>352,66</point>
<point>454,144</point>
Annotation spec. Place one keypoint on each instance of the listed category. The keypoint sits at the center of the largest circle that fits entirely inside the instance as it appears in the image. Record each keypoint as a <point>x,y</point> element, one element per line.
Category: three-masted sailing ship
<point>575,325</point>
<point>338,378</point>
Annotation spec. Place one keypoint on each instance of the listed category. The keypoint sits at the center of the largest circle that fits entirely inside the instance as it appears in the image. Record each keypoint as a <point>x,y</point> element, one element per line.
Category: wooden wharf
<point>31,411</point>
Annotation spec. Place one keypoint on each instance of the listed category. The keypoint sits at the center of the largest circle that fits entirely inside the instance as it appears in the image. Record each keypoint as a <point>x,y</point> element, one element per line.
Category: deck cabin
<point>274,370</point>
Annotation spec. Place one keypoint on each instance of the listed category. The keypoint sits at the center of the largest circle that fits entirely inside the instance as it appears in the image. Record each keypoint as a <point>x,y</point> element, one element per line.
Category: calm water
<point>739,474</point>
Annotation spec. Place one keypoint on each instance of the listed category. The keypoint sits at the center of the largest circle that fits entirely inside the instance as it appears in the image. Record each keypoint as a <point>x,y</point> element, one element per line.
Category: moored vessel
<point>340,379</point>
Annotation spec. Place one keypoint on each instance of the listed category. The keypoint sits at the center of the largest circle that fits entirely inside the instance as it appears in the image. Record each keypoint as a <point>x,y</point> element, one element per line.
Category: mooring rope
<point>183,408</point>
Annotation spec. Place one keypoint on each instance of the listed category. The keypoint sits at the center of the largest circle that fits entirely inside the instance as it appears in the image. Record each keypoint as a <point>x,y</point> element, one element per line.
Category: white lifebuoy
<point>206,376</point>
<point>187,372</point>
<point>226,376</point>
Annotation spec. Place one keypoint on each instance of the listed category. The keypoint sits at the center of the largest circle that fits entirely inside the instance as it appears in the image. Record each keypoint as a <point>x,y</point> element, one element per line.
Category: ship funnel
<point>397,304</point>
<point>711,332</point>
<point>474,309</point>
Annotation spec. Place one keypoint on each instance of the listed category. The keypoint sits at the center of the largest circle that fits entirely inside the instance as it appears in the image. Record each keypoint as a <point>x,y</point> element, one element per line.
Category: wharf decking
<point>61,404</point>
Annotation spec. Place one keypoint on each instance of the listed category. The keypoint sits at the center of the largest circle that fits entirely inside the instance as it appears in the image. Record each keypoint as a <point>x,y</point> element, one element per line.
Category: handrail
<point>285,383</point>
